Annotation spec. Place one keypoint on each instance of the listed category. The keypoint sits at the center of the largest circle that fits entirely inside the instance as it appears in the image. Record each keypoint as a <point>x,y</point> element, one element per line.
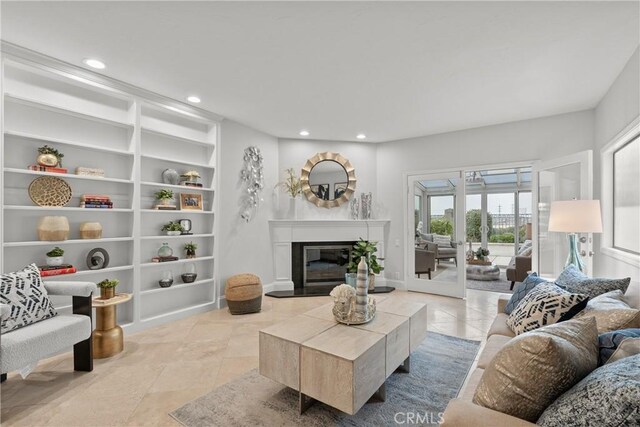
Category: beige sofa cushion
<point>472,383</point>
<point>536,367</point>
<point>611,312</point>
<point>500,327</point>
<point>493,345</point>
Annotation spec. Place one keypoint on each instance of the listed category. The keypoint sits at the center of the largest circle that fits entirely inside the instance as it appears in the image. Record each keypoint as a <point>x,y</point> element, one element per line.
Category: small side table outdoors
<point>108,339</point>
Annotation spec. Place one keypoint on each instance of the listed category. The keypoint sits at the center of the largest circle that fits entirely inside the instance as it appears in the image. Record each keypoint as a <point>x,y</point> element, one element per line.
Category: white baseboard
<point>278,286</point>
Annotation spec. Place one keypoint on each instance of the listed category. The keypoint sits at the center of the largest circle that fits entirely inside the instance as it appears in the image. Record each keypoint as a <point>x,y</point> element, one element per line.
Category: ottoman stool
<point>243,293</point>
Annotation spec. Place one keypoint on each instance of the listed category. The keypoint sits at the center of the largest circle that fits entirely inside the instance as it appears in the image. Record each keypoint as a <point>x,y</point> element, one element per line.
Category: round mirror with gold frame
<point>328,180</point>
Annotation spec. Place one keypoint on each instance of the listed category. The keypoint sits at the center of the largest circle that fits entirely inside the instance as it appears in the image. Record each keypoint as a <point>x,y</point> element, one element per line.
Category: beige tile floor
<point>163,368</point>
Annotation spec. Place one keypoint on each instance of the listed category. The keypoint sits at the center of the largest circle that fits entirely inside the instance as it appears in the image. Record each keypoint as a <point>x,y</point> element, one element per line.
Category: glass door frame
<point>434,286</point>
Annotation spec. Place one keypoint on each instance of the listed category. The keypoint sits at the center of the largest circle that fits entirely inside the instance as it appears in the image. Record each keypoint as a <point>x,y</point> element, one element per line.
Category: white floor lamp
<point>573,217</point>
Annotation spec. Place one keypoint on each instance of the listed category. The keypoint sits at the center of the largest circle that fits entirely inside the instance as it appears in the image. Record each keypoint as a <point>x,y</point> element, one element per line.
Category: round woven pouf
<point>243,293</point>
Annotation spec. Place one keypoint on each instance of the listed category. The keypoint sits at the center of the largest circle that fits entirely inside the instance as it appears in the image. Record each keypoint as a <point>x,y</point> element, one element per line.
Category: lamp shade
<point>575,216</point>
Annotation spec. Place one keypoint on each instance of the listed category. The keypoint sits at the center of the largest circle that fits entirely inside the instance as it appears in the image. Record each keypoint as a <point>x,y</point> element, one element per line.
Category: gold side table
<point>108,339</point>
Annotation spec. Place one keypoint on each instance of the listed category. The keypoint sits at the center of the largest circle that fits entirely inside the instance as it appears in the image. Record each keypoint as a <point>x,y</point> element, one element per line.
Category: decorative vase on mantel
<point>293,208</point>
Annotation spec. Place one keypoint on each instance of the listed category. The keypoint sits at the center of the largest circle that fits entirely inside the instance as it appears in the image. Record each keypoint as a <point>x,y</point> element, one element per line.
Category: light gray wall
<point>294,153</point>
<point>244,247</point>
<point>619,107</point>
<point>542,138</point>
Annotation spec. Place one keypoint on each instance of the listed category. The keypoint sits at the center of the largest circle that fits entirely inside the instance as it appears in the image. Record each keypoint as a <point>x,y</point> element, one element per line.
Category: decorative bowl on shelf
<point>189,277</point>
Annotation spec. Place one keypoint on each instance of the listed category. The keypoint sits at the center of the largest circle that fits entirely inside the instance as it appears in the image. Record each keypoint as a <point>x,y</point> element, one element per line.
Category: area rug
<point>438,370</point>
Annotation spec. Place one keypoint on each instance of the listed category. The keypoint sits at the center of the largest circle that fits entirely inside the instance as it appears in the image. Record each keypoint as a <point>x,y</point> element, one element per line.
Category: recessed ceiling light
<point>193,99</point>
<point>304,133</point>
<point>361,136</point>
<point>94,63</point>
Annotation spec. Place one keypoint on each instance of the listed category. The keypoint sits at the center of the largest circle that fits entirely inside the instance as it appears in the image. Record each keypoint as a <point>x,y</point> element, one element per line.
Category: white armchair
<point>24,346</point>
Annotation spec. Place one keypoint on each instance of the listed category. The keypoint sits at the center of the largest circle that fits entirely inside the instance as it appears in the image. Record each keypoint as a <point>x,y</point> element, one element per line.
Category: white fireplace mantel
<point>285,232</point>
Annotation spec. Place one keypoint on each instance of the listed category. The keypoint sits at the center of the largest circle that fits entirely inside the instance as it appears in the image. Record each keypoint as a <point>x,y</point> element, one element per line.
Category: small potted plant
<point>108,288</point>
<point>55,257</point>
<point>173,228</point>
<point>164,196</point>
<point>49,156</point>
<point>190,248</point>
<point>482,253</point>
<point>365,249</point>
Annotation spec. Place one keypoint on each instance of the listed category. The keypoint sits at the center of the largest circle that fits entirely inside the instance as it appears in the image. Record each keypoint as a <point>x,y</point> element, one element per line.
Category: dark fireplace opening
<point>319,265</point>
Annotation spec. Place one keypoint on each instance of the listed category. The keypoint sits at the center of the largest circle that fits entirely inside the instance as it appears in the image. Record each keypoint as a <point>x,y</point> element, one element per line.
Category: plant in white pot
<point>173,228</point>
<point>165,197</point>
<point>55,257</point>
<point>293,187</point>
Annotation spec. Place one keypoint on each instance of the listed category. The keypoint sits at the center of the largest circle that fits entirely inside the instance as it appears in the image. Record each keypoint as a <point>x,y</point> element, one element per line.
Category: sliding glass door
<point>436,212</point>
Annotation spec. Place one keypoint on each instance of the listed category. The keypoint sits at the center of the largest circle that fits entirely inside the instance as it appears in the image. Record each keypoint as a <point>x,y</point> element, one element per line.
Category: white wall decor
<point>253,177</point>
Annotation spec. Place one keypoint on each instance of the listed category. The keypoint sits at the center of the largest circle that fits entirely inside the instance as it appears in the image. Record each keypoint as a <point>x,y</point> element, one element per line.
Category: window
<point>626,197</point>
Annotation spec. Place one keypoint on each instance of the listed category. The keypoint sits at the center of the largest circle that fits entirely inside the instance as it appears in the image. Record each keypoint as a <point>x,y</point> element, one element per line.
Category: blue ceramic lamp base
<point>574,257</point>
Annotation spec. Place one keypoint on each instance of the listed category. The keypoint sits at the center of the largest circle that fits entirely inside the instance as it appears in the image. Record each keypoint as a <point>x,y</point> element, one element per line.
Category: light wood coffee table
<point>339,365</point>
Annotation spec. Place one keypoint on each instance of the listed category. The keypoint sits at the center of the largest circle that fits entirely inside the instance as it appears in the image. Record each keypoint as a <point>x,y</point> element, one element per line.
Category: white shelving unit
<point>132,134</point>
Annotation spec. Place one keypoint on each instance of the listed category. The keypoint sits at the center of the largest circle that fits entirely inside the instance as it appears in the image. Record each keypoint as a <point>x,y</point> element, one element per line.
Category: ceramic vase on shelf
<point>166,280</point>
<point>90,230</point>
<point>49,160</point>
<point>165,251</point>
<point>190,275</point>
<point>55,261</point>
<point>365,205</point>
<point>53,228</point>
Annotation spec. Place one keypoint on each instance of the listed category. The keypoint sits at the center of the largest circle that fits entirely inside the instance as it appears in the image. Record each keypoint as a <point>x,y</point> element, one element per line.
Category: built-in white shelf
<point>66,242</point>
<point>132,134</point>
<point>177,187</point>
<point>182,162</point>
<point>67,176</point>
<point>181,236</point>
<point>180,261</point>
<point>176,287</point>
<point>65,209</point>
<point>180,139</point>
<point>90,272</point>
<point>49,140</point>
<point>182,211</point>
<point>64,110</point>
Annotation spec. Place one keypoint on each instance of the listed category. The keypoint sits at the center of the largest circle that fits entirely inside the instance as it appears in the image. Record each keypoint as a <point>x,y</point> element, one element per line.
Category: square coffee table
<point>339,365</point>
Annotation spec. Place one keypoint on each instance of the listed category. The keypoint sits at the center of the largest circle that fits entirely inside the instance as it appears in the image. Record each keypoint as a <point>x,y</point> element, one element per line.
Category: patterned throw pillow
<point>545,304</point>
<point>534,369</point>
<point>574,280</point>
<point>607,397</point>
<point>521,290</point>
<point>25,293</point>
<point>442,241</point>
<point>611,312</point>
<point>610,342</point>
<point>526,248</point>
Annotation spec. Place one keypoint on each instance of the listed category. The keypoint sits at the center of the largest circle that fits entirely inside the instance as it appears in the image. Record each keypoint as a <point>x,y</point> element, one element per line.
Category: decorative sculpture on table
<point>252,175</point>
<point>354,306</point>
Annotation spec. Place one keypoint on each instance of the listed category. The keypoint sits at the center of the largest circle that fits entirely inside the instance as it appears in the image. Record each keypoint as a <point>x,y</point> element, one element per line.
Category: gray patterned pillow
<point>611,312</point>
<point>608,396</point>
<point>574,280</point>
<point>545,304</point>
<point>25,293</point>
<point>521,290</point>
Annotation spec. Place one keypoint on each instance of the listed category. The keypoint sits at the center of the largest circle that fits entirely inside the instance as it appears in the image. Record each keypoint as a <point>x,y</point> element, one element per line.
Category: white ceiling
<point>390,70</point>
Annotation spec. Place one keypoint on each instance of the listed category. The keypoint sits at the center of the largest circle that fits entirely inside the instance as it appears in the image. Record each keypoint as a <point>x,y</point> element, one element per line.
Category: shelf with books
<point>176,187</point>
<point>65,209</point>
<point>179,261</point>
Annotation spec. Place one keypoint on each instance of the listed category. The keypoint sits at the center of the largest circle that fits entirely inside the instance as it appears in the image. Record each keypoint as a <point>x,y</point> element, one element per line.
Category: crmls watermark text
<point>418,418</point>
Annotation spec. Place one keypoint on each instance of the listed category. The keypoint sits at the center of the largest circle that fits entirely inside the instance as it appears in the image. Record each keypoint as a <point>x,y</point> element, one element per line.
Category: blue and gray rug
<point>438,370</point>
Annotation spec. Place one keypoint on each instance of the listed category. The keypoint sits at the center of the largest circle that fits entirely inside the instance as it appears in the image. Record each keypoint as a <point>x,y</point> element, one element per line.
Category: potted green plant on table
<point>366,249</point>
<point>108,288</point>
<point>173,228</point>
<point>164,196</point>
<point>190,249</point>
<point>55,257</point>
<point>49,156</point>
<point>482,253</point>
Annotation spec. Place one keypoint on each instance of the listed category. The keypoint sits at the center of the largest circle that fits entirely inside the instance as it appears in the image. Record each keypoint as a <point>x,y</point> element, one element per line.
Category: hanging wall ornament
<point>253,179</point>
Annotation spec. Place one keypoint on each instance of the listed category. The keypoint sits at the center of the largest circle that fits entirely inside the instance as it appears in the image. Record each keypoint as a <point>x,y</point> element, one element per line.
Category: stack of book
<point>47,169</point>
<point>95,201</point>
<point>46,270</point>
<point>166,207</point>
<point>164,258</point>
